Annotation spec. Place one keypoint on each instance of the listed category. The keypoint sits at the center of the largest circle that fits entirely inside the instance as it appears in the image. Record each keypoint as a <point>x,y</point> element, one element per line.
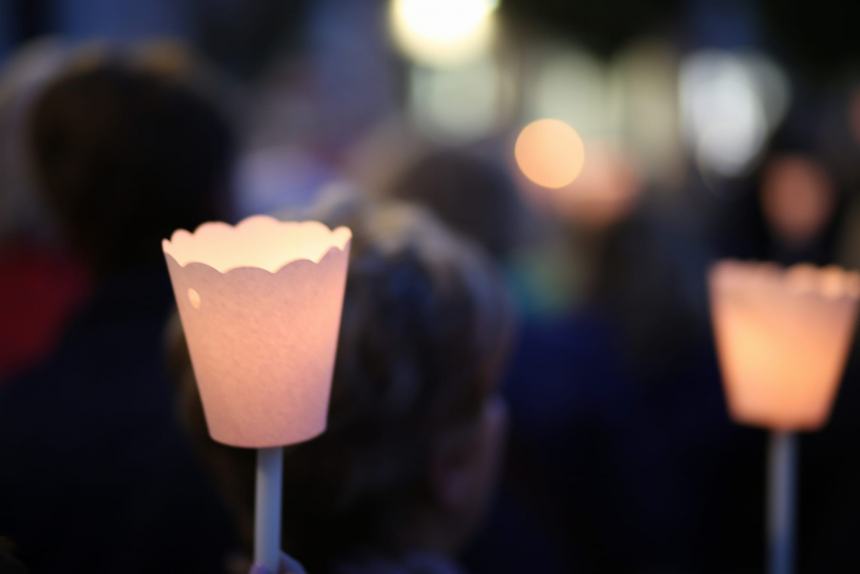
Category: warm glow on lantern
<point>550,153</point>
<point>260,305</point>
<point>782,338</point>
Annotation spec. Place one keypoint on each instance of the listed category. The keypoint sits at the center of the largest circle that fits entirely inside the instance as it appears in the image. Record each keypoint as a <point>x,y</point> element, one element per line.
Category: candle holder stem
<point>267,513</point>
<point>782,483</point>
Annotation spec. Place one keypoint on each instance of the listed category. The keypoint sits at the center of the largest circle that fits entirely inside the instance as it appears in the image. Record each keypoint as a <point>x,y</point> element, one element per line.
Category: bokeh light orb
<point>550,153</point>
<point>442,33</point>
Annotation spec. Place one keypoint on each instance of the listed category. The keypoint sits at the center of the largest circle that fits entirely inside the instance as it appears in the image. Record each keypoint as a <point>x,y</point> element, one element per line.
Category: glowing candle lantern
<point>782,339</point>
<point>260,304</point>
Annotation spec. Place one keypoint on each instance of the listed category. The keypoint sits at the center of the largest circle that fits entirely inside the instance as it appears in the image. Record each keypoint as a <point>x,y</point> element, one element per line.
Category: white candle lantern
<point>260,304</point>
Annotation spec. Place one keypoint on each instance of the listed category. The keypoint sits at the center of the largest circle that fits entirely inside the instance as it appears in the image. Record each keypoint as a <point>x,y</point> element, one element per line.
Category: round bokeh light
<point>550,153</point>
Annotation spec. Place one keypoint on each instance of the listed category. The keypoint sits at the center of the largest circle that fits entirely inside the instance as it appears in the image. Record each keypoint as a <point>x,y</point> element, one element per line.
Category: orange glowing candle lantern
<point>782,338</point>
<point>260,304</point>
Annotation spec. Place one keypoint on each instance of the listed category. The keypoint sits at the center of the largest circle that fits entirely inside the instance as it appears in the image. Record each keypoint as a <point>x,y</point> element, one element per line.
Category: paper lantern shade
<point>782,339</point>
<point>260,304</point>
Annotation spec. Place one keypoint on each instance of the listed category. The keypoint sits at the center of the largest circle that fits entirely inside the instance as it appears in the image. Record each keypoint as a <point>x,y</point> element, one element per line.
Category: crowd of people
<point>483,418</point>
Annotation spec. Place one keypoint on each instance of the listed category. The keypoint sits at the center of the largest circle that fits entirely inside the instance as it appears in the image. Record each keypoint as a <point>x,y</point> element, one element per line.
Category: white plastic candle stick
<point>267,511</point>
<point>781,487</point>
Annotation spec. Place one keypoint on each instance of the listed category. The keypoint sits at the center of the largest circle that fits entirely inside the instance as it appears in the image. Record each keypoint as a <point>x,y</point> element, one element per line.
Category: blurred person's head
<point>791,211</point>
<point>799,196</point>
<point>416,424</point>
<point>471,195</point>
<point>125,152</point>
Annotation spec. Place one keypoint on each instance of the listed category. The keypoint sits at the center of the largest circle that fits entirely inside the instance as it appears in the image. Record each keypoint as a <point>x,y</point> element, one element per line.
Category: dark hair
<point>471,195</point>
<point>125,155</point>
<point>424,329</point>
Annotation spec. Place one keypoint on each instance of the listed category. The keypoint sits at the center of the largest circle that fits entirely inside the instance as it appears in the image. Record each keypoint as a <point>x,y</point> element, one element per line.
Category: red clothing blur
<point>39,290</point>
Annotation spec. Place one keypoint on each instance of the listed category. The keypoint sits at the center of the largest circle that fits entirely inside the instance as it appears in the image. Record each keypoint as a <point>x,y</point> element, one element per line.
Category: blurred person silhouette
<point>792,207</point>
<point>97,475</point>
<point>847,149</point>
<point>401,477</point>
<point>42,282</point>
<point>622,456</point>
<point>582,219</point>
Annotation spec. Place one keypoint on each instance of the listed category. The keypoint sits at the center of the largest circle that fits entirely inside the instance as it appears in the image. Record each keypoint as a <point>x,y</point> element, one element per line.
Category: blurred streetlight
<point>442,33</point>
<point>729,104</point>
